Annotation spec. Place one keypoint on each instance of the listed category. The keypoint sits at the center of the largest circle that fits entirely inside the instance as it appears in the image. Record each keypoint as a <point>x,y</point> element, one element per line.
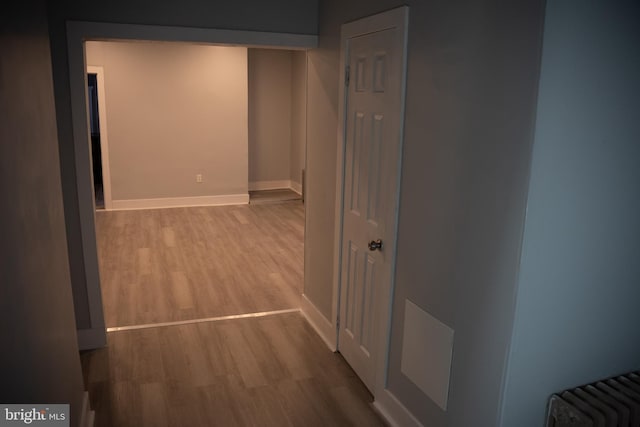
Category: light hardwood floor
<point>267,371</point>
<point>187,263</point>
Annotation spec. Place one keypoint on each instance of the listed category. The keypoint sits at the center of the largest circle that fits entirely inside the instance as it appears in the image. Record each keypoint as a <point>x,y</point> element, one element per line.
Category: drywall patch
<point>427,347</point>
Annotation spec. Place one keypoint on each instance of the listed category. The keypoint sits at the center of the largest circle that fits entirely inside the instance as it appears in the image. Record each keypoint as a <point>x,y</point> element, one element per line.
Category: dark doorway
<point>96,150</point>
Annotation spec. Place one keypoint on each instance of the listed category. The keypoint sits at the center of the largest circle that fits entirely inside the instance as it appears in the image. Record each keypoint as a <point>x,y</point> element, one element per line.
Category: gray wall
<point>277,115</point>
<point>39,361</point>
<point>577,311</point>
<point>322,92</point>
<point>270,89</point>
<point>174,110</point>
<point>282,16</point>
<point>286,16</point>
<point>472,83</point>
<point>297,156</point>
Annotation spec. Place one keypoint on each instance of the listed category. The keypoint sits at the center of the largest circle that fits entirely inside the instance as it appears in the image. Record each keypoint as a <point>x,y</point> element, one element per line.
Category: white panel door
<point>372,150</point>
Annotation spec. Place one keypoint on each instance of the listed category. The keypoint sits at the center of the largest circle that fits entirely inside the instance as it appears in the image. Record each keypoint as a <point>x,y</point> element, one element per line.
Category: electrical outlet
<point>199,178</point>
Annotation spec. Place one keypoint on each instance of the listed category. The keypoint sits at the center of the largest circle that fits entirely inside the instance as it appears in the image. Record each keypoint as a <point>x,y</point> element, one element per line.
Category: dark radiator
<point>608,403</point>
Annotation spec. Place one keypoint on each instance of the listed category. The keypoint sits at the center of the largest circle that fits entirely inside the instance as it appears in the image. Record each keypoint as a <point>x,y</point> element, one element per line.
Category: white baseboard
<point>269,185</point>
<point>177,202</point>
<point>90,339</point>
<point>297,187</point>
<point>322,326</point>
<point>276,185</point>
<point>393,411</point>
<point>87,416</point>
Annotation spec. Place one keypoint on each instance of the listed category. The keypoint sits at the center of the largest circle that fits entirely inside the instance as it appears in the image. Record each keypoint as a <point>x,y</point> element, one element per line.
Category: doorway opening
<point>178,138</point>
<point>92,334</point>
<point>96,150</point>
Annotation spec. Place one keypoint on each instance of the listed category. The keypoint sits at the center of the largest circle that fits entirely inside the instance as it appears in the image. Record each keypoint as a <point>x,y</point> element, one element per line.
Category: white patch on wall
<point>427,347</point>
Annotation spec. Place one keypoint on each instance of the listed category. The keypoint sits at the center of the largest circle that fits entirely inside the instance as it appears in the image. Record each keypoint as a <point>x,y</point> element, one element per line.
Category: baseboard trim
<point>269,185</point>
<point>297,187</point>
<point>393,411</point>
<point>276,185</point>
<point>90,339</point>
<point>87,416</point>
<point>318,322</point>
<point>179,202</point>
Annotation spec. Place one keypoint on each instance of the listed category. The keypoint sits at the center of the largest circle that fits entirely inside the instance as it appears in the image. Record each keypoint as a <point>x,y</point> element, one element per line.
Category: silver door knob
<point>375,245</point>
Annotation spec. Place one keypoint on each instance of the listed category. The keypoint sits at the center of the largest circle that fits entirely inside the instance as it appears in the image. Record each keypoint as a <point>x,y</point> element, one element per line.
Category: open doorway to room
<point>197,128</point>
<point>99,142</point>
<point>94,126</point>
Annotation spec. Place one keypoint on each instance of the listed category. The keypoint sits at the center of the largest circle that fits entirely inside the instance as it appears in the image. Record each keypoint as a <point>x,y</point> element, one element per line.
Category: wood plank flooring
<point>167,265</point>
<point>267,371</point>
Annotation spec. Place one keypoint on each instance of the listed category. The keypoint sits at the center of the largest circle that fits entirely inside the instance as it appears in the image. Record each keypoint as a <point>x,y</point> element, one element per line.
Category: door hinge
<point>347,75</point>
<point>338,323</point>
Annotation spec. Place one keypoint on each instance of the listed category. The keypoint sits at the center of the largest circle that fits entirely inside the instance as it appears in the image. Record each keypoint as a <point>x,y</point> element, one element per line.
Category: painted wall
<point>39,361</point>
<point>577,311</point>
<point>285,16</point>
<point>322,92</point>
<point>472,84</point>
<point>270,90</point>
<point>297,155</point>
<point>174,110</point>
<point>277,116</point>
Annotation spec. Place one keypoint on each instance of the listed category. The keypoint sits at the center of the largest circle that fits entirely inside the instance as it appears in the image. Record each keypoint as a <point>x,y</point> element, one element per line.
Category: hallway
<point>265,371</point>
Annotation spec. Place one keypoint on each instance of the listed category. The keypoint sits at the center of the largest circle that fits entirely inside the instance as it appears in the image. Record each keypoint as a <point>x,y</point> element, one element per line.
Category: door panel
<point>372,143</point>
<point>373,190</point>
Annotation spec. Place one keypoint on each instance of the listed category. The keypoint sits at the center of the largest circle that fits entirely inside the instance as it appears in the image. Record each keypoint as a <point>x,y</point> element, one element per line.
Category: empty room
<point>199,129</point>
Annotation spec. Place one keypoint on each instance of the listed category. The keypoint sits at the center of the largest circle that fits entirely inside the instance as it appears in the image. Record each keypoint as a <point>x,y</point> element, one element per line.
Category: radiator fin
<point>614,402</point>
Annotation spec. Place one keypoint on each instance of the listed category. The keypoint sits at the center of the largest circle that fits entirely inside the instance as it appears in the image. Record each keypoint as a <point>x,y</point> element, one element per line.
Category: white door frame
<point>79,32</point>
<point>399,19</point>
<point>104,140</point>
